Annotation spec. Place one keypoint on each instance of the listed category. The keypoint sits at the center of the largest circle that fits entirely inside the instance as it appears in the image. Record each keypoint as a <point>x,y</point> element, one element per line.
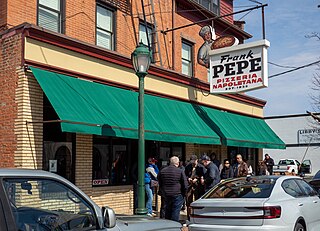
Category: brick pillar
<point>28,124</point>
<point>83,174</point>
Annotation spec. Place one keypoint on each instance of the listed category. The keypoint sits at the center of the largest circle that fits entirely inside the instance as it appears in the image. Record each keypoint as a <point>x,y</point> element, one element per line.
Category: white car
<point>286,203</point>
<point>35,200</point>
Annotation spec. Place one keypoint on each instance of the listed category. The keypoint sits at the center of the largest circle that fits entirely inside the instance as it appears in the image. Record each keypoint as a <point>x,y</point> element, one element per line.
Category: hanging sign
<point>239,68</point>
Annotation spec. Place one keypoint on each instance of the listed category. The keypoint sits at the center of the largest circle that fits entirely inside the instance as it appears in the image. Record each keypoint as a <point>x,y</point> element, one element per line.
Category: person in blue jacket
<point>151,182</point>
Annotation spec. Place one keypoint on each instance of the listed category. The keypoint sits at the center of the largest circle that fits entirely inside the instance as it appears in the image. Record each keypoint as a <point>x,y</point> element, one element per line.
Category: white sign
<point>239,68</point>
<point>53,165</point>
<point>309,136</point>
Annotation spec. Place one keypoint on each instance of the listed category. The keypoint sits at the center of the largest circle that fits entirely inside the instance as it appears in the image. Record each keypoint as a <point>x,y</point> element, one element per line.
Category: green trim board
<point>99,109</point>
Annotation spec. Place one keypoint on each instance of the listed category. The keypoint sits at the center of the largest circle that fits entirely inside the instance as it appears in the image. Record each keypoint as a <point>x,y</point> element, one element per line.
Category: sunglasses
<point>226,163</point>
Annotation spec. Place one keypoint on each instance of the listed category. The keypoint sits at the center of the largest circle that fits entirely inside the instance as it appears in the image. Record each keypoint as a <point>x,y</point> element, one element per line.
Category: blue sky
<point>287,22</point>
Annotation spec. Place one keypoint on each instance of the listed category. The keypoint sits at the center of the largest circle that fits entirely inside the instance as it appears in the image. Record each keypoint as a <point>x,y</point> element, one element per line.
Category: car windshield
<point>47,204</point>
<point>286,162</point>
<point>243,188</point>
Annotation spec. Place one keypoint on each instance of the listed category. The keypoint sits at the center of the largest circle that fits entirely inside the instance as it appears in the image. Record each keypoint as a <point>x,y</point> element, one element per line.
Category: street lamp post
<point>141,61</point>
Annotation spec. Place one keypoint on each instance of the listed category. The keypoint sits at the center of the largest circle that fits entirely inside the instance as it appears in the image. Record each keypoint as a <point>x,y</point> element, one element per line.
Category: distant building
<point>301,134</point>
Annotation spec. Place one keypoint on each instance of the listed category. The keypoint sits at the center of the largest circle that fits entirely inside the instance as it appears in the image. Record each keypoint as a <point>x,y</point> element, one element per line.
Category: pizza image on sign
<point>224,41</point>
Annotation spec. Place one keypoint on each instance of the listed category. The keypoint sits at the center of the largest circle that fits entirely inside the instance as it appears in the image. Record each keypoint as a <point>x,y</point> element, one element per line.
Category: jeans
<point>149,198</point>
<point>173,206</point>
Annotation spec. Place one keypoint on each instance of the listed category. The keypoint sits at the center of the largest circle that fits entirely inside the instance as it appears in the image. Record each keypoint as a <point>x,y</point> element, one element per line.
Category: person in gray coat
<point>212,176</point>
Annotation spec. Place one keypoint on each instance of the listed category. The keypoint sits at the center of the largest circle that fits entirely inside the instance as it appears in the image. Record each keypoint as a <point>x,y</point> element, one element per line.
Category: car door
<point>311,206</point>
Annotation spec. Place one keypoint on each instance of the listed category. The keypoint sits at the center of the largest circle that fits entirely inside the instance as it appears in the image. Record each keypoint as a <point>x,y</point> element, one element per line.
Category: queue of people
<point>179,184</point>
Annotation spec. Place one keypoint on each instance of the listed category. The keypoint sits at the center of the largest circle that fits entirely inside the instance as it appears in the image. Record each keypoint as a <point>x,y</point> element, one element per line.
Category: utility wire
<point>278,65</point>
<point>295,69</point>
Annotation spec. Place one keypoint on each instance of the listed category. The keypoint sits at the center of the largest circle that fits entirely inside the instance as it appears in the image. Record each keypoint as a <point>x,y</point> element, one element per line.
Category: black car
<point>315,182</point>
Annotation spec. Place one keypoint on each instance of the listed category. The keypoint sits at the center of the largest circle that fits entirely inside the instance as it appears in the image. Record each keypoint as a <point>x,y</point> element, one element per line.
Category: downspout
<point>173,40</point>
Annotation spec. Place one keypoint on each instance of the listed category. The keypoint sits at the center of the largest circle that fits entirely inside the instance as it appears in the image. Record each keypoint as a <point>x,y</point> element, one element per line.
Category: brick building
<point>69,92</point>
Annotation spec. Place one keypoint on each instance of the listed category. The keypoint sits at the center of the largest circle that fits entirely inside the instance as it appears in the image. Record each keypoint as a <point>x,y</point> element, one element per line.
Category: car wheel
<point>299,227</point>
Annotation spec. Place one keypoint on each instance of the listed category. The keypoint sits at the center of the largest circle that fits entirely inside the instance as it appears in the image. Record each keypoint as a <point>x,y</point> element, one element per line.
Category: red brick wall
<point>3,14</point>
<point>226,7</point>
<point>10,58</point>
<point>20,11</point>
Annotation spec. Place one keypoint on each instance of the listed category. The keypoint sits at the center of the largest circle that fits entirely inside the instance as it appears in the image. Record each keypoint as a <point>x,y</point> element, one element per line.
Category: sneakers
<point>151,214</point>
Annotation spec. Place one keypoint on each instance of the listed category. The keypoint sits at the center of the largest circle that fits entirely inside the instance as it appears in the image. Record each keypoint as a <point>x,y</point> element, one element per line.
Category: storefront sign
<point>239,68</point>
<point>309,136</point>
<point>100,182</point>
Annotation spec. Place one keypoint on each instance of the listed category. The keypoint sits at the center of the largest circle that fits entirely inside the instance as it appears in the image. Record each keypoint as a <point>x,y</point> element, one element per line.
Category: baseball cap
<point>205,157</point>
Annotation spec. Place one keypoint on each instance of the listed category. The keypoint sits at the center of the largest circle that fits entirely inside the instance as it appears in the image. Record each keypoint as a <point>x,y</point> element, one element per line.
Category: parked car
<point>35,200</point>
<point>315,181</point>
<point>292,166</point>
<point>277,203</point>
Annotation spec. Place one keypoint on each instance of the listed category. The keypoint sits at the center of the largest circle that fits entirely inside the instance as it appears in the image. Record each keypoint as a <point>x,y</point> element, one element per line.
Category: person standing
<point>269,162</point>
<point>214,159</point>
<point>194,171</point>
<point>212,175</point>
<point>173,187</point>
<point>227,170</point>
<point>242,167</point>
<point>263,170</point>
<point>151,181</point>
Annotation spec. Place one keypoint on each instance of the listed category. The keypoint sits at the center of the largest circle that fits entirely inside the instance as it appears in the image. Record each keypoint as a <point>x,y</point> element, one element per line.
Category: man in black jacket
<point>194,171</point>
<point>212,176</point>
<point>173,187</point>
<point>269,162</point>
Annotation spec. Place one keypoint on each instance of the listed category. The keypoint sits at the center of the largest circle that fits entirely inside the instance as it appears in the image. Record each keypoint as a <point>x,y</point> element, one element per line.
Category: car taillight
<point>288,167</point>
<point>271,212</point>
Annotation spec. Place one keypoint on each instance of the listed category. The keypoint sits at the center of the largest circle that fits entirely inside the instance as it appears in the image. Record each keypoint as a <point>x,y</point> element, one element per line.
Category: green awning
<point>94,108</point>
<point>241,131</point>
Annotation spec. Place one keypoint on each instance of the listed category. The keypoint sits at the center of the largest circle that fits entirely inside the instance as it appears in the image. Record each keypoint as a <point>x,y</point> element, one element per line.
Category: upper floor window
<point>187,62</point>
<point>50,15</point>
<point>105,27</point>
<point>145,34</point>
<point>212,5</point>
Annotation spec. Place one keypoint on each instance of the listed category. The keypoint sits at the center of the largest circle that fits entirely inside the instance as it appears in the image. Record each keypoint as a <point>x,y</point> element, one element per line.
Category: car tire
<point>299,227</point>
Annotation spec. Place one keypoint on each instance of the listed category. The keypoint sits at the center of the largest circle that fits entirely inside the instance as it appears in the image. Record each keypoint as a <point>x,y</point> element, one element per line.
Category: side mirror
<point>109,217</point>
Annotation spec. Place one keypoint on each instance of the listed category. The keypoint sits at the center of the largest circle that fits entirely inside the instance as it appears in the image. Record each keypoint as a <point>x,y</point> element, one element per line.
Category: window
<point>50,15</point>
<point>243,188</point>
<point>212,5</point>
<point>111,162</point>
<point>292,188</point>
<point>187,58</point>
<point>145,33</point>
<point>308,190</point>
<point>43,204</point>
<point>104,30</point>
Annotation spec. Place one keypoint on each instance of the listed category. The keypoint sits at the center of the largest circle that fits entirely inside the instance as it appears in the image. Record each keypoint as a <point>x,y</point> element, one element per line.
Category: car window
<point>292,188</point>
<point>41,204</point>
<point>317,176</point>
<point>308,190</point>
<point>243,188</point>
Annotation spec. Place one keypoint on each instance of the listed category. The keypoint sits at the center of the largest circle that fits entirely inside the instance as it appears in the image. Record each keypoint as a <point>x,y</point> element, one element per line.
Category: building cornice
<point>63,41</point>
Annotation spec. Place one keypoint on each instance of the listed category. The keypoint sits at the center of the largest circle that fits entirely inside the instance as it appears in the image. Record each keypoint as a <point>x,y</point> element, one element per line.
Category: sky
<point>287,23</point>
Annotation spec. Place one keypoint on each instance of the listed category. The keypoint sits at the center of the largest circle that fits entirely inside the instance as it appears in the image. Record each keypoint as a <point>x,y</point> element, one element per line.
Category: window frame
<point>191,61</point>
<point>151,38</point>
<point>61,14</point>
<point>113,26</point>
<point>213,7</point>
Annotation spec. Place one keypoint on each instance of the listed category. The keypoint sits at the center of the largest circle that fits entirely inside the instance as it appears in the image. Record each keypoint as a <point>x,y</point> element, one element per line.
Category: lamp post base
<point>141,211</point>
